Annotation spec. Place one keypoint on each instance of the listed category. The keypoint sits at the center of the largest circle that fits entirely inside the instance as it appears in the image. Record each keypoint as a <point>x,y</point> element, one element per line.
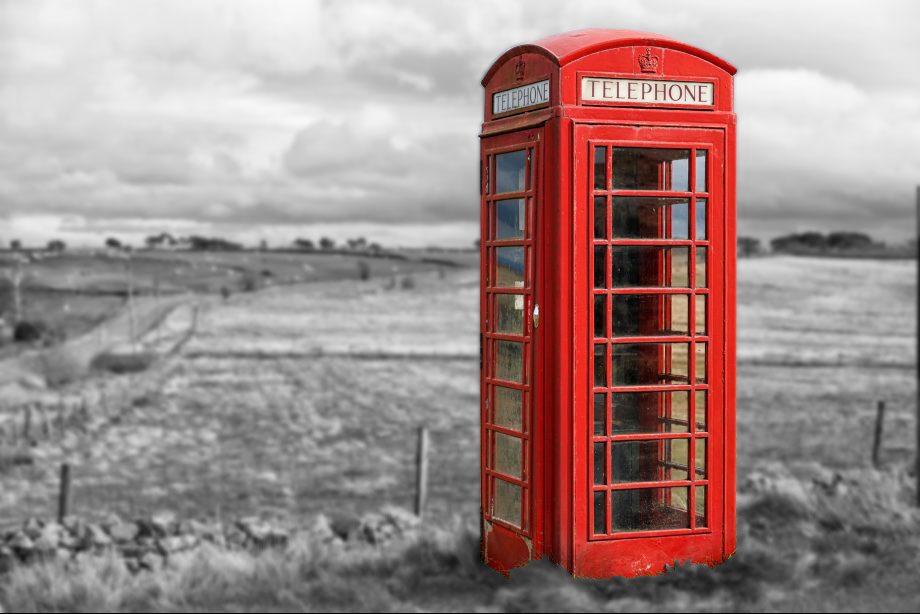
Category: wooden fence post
<point>877,441</point>
<point>421,471</point>
<point>64,493</point>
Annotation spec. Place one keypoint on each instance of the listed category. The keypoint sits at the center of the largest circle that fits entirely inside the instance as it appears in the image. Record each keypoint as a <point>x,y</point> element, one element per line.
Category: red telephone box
<point>608,305</point>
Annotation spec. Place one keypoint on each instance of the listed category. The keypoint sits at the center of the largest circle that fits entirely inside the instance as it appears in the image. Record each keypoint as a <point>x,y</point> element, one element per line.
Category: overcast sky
<point>275,119</point>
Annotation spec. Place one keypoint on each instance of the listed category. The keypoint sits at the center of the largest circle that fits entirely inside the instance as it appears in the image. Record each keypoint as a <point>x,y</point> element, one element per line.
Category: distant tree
<point>800,243</point>
<point>164,238</point>
<point>263,245</point>
<point>748,246</point>
<point>16,245</point>
<point>326,244</point>
<point>213,244</point>
<point>305,245</point>
<point>849,240</point>
<point>113,243</point>
<point>56,245</point>
<point>356,243</point>
<point>375,248</point>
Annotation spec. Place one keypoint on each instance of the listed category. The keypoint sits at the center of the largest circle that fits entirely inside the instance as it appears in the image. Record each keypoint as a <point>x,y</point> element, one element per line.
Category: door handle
<point>536,316</point>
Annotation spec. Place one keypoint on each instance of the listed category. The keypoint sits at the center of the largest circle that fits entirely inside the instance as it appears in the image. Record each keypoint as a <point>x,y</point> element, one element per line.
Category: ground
<point>301,399</point>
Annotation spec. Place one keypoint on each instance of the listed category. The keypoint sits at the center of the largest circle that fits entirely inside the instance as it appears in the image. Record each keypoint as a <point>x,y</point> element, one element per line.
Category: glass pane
<point>700,366</point>
<point>700,452</point>
<point>644,315</point>
<point>600,462</point>
<point>700,267</point>
<point>657,460</point>
<point>600,273</point>
<point>700,410</point>
<point>510,170</point>
<point>600,364</point>
<point>600,168</point>
<point>508,455</point>
<point>509,267</point>
<point>639,266</point>
<point>508,408</point>
<point>510,218</point>
<point>600,319</point>
<point>509,314</point>
<point>600,512</point>
<point>651,169</point>
<point>650,412</point>
<point>600,217</point>
<point>650,364</point>
<point>700,314</point>
<point>509,361</point>
<point>649,509</point>
<point>600,412</point>
<point>506,502</point>
<point>701,516</point>
<point>636,217</point>
<point>700,219</point>
<point>701,170</point>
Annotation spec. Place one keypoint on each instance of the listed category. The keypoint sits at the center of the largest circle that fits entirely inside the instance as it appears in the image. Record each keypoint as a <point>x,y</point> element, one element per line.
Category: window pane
<point>700,365</point>
<point>600,463</point>
<point>700,410</point>
<point>700,314</point>
<point>701,170</point>
<point>600,412</point>
<point>650,267</point>
<point>637,217</point>
<point>600,364</point>
<point>650,364</point>
<point>509,361</point>
<point>600,168</point>
<point>506,502</point>
<point>656,460</point>
<point>701,219</point>
<point>700,452</point>
<point>509,314</point>
<point>509,267</point>
<point>651,169</point>
<point>650,412</point>
<point>508,455</point>
<point>600,273</point>
<point>508,408</point>
<point>510,170</point>
<point>600,217</point>
<point>700,267</point>
<point>644,315</point>
<point>600,316</point>
<point>510,218</point>
<point>701,516</point>
<point>600,512</point>
<point>649,509</point>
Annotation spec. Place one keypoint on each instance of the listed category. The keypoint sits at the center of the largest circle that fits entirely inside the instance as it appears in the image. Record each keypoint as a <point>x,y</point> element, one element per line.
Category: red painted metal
<point>557,440</point>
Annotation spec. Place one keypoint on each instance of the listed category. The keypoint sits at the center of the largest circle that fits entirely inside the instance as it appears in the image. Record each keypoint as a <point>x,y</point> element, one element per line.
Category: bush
<point>27,331</point>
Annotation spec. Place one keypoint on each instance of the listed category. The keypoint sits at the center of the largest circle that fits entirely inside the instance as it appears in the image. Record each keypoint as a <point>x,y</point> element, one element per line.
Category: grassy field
<point>303,399</point>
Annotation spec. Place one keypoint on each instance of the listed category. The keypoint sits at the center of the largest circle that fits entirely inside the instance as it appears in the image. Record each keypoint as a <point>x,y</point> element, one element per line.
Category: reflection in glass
<point>649,364</point>
<point>700,366</point>
<point>508,408</point>
<point>509,361</point>
<point>600,319</point>
<point>509,314</point>
<point>700,410</point>
<point>641,315</point>
<point>639,266</point>
<point>700,170</point>
<point>700,267</point>
<point>649,509</point>
<point>508,455</point>
<point>509,267</point>
<point>600,168</point>
<point>510,171</point>
<point>600,412</point>
<point>651,169</point>
<point>509,218</point>
<point>701,219</point>
<point>655,460</point>
<point>650,412</point>
<point>506,502</point>
<point>700,323</point>
<point>642,217</point>
<point>600,463</point>
<point>600,512</point>
<point>600,364</point>
<point>701,516</point>
<point>700,452</point>
<point>600,217</point>
<point>600,273</point>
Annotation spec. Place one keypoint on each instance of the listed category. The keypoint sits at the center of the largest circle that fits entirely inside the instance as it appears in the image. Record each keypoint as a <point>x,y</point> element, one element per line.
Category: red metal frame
<point>559,429</point>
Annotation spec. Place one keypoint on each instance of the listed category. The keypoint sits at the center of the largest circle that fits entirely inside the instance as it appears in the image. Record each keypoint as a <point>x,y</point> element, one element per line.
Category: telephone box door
<point>650,424</point>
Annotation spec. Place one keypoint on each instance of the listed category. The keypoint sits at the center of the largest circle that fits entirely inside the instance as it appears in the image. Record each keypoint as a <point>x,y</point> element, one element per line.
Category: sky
<point>273,120</point>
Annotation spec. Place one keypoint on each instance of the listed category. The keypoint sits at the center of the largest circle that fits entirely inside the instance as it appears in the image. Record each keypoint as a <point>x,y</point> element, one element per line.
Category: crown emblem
<point>648,62</point>
<point>519,70</point>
